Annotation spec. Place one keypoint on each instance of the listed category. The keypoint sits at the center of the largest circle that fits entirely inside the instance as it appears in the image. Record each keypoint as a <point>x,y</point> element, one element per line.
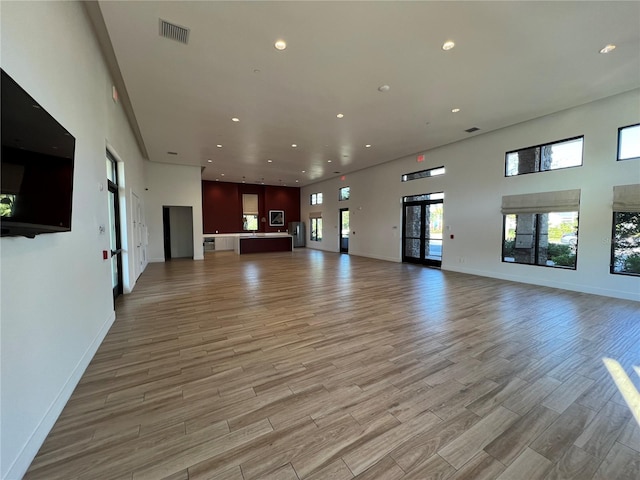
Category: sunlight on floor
<point>625,385</point>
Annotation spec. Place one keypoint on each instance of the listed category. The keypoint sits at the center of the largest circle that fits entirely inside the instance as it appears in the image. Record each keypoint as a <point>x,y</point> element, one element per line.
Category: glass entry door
<point>344,230</point>
<point>114,226</point>
<point>422,229</point>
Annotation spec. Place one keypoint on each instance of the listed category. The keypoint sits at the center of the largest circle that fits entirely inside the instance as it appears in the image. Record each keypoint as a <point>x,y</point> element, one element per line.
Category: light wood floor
<point>316,365</point>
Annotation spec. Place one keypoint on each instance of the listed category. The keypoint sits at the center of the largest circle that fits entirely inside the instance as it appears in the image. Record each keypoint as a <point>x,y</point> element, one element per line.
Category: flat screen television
<point>36,174</point>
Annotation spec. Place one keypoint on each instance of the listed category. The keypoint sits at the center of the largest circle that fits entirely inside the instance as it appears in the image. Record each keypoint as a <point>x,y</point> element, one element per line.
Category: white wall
<point>172,186</point>
<point>56,299</point>
<point>474,184</point>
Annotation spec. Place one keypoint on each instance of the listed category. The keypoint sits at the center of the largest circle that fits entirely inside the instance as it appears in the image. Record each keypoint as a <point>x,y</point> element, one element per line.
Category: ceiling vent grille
<point>472,129</point>
<point>174,32</point>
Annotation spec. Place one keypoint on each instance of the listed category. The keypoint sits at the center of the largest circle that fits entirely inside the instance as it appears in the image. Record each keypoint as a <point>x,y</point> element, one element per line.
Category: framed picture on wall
<point>276,218</point>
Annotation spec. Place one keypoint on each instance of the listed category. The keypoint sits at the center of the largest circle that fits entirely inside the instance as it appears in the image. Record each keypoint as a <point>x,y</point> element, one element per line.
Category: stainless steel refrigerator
<point>296,230</point>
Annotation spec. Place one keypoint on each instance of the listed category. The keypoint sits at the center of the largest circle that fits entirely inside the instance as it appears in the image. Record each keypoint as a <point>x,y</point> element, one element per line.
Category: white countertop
<point>246,235</point>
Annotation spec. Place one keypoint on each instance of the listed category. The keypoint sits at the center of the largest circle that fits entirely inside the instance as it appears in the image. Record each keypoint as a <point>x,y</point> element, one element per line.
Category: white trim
<point>574,287</point>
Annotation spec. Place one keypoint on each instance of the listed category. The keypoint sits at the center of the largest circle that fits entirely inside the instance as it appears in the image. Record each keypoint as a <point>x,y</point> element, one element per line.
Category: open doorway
<point>344,230</point>
<point>177,225</point>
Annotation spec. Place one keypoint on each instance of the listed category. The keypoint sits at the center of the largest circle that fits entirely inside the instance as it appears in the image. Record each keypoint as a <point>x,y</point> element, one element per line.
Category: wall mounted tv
<point>36,174</point>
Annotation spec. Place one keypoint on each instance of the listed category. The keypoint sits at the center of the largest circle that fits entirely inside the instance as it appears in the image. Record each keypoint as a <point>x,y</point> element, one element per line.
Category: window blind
<point>543,202</point>
<point>249,204</point>
<point>315,215</point>
<point>626,198</point>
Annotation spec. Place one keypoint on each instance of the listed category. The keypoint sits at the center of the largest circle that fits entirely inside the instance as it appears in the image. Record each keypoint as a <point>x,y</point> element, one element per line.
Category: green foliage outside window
<point>626,243</point>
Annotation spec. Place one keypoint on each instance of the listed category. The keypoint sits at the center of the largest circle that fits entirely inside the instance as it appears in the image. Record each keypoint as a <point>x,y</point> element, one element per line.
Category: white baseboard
<point>376,257</point>
<point>546,283</point>
<point>20,465</point>
<point>156,260</point>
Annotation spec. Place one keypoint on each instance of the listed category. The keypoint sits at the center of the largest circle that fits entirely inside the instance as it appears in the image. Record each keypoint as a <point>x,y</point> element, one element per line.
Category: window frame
<point>547,144</point>
<point>429,172</point>
<point>316,237</point>
<point>612,260</point>
<point>536,241</point>
<point>618,159</point>
<point>315,198</point>
<point>340,196</point>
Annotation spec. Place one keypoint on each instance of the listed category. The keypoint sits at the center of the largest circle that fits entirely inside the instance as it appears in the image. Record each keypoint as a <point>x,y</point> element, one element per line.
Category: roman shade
<point>543,202</point>
<point>626,198</point>
<point>315,215</point>
<point>249,204</point>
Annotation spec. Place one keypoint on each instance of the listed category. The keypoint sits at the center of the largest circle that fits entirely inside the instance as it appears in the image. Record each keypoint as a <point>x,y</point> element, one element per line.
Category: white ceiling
<point>513,61</point>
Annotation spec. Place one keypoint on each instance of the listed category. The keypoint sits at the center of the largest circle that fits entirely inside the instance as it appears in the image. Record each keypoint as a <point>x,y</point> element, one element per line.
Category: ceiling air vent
<point>174,32</point>
<point>472,129</point>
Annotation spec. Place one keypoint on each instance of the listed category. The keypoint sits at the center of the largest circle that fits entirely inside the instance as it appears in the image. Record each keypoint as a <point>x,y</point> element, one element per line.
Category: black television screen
<point>36,174</point>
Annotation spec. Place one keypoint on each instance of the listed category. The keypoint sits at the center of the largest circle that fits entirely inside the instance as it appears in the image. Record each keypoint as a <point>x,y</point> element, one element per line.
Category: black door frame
<point>166,229</point>
<point>424,205</point>
<point>117,252</point>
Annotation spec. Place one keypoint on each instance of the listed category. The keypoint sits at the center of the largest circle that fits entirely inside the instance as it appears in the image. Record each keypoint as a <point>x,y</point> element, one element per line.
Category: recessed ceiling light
<point>608,48</point>
<point>329,161</point>
<point>455,110</point>
<point>235,119</point>
<point>304,171</point>
<point>269,161</point>
<point>280,44</point>
<point>367,146</point>
<point>222,174</point>
<point>384,88</point>
<point>219,146</point>
<point>448,45</point>
<point>294,145</point>
<point>340,115</point>
<point>296,181</point>
<point>217,179</point>
<point>209,160</point>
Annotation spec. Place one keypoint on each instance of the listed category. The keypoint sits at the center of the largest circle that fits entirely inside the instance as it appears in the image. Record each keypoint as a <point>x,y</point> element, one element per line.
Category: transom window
<point>431,172</point>
<point>344,194</point>
<point>629,142</point>
<point>316,199</point>
<point>542,158</point>
<point>423,197</point>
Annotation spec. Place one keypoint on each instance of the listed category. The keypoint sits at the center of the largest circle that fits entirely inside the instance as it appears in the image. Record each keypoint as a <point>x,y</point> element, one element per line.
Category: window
<point>316,199</point>
<point>432,172</point>
<point>542,158</point>
<point>344,194</point>
<point>250,222</point>
<point>625,242</point>
<point>250,212</point>
<point>629,142</point>
<point>424,196</point>
<point>541,229</point>
<point>7,204</point>
<point>316,229</point>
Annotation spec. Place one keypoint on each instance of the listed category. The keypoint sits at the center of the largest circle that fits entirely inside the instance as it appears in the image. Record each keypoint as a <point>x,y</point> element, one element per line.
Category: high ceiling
<point>512,61</point>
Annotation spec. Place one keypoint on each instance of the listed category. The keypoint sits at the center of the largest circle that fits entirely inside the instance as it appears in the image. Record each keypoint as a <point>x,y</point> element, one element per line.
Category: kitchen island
<point>262,243</point>
<point>251,243</point>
